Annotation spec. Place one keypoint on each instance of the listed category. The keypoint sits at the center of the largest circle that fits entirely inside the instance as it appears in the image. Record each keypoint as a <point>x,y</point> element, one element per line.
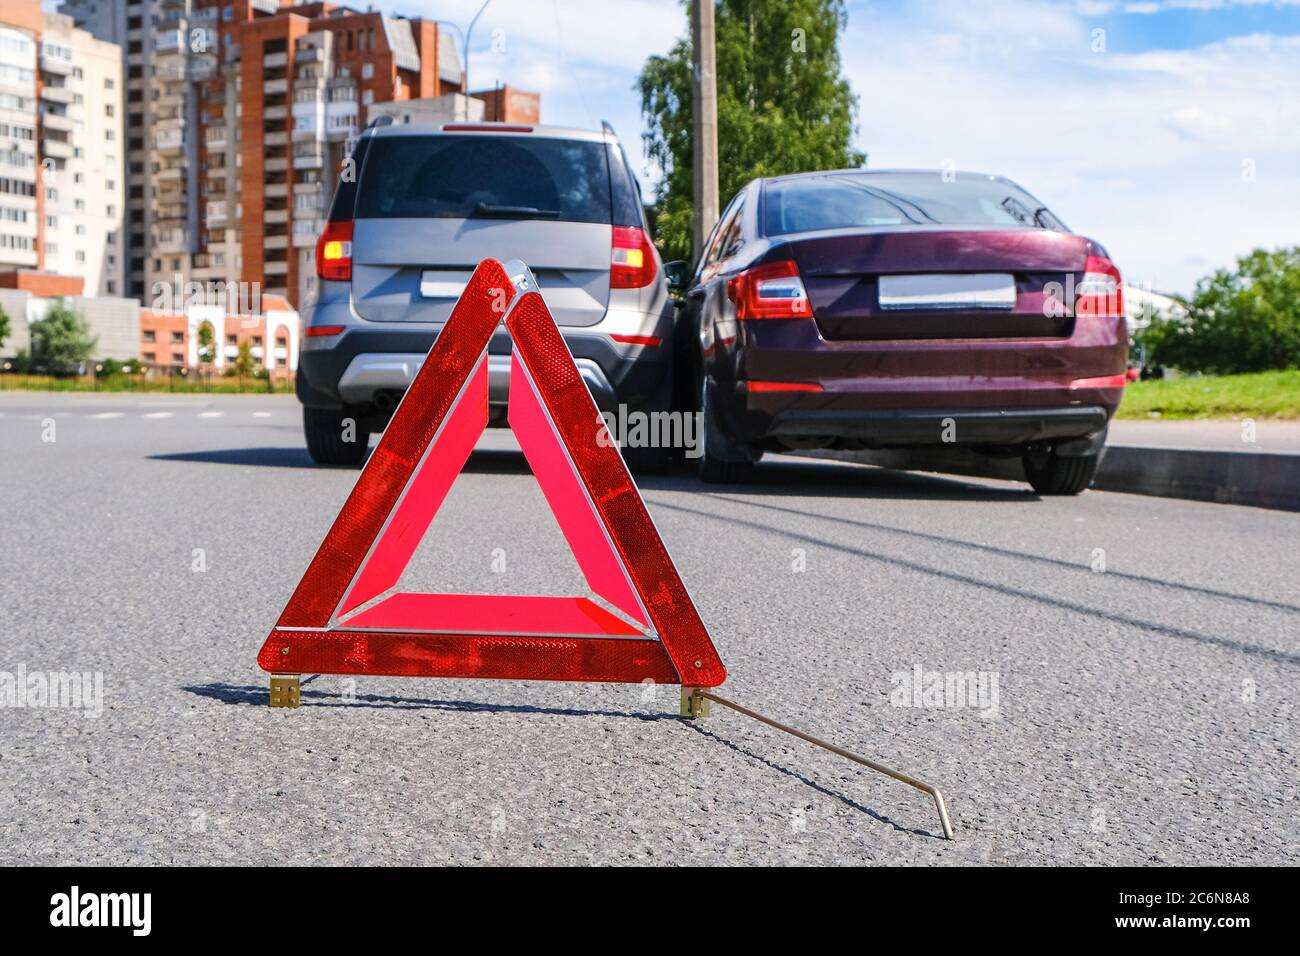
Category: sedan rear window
<point>484,177</point>
<point>871,200</point>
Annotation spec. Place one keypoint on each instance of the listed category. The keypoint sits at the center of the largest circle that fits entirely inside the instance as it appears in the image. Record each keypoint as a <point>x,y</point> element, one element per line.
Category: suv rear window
<point>867,200</point>
<point>484,177</point>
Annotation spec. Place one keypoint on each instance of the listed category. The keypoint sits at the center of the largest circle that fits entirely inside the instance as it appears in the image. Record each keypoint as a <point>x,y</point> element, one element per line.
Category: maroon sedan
<point>948,316</point>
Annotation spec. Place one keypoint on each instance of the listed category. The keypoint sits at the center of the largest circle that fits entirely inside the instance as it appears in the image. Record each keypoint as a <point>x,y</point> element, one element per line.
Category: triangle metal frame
<point>339,620</point>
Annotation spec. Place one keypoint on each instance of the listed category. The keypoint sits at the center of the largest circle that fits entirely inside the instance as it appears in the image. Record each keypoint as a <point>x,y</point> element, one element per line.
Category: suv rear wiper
<point>515,212</point>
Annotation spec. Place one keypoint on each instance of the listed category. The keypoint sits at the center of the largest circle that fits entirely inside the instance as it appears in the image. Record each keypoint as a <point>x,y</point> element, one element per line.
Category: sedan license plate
<point>984,290</point>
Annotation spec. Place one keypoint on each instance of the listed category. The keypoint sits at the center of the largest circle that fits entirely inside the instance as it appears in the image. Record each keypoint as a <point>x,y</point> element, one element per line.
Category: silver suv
<point>427,204</point>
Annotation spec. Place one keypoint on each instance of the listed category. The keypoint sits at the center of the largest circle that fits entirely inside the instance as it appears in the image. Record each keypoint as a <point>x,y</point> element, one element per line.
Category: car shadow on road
<point>824,479</point>
<point>782,477</point>
<point>259,696</point>
<point>264,457</point>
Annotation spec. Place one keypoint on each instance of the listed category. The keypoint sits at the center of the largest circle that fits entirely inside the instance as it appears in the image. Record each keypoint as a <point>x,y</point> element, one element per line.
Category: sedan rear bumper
<point>892,429</point>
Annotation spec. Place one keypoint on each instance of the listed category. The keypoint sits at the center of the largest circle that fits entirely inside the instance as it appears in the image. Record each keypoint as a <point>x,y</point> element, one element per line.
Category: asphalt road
<point>1144,713</point>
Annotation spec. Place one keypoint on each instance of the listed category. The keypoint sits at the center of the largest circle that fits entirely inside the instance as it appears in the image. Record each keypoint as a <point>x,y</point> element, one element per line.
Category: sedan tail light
<point>770,291</point>
<point>631,259</point>
<point>1101,292</point>
<point>334,252</point>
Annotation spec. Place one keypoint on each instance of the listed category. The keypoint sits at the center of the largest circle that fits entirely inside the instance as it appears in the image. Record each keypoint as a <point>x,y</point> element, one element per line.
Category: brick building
<point>238,113</point>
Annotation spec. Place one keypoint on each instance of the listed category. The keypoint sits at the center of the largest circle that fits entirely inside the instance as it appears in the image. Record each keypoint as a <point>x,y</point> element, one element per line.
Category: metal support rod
<point>878,767</point>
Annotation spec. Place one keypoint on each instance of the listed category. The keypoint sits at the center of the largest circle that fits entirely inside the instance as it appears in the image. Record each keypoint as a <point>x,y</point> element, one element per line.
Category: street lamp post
<point>464,45</point>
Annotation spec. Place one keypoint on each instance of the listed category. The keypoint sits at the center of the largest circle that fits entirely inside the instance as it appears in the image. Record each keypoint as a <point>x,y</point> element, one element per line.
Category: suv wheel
<point>1052,474</point>
<point>721,461</point>
<point>326,430</point>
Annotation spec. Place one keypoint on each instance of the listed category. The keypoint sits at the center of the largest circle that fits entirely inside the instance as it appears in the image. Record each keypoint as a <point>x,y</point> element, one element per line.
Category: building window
<point>178,338</point>
<point>367,71</point>
<point>149,357</point>
<point>149,335</point>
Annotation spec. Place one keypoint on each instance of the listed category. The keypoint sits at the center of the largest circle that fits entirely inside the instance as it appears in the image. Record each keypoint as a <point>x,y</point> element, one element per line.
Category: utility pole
<point>704,121</point>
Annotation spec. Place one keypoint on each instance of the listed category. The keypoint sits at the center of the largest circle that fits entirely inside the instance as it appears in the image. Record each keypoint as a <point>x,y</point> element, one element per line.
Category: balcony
<point>275,139</point>
<point>275,113</point>
<point>308,187</point>
<point>308,205</point>
<point>276,190</point>
<point>216,212</point>
<point>215,138</point>
<point>56,65</point>
<point>275,267</point>
<point>202,69</point>
<point>172,240</point>
<point>170,174</point>
<point>57,94</point>
<point>276,165</point>
<point>309,161</point>
<point>275,242</point>
<point>56,148</point>
<point>276,61</point>
<point>275,87</point>
<point>59,122</point>
<point>309,54</point>
<point>169,141</point>
<point>305,231</point>
<point>169,71</point>
<point>272,216</point>
<point>169,41</point>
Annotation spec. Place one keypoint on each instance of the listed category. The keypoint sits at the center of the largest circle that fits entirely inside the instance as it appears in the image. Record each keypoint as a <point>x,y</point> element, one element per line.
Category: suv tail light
<point>1101,292</point>
<point>631,260</point>
<point>770,291</point>
<point>334,252</point>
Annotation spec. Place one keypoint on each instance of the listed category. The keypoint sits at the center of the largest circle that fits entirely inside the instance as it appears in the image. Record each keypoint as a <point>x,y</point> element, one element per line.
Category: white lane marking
<point>261,414</point>
<point>103,415</point>
<point>159,414</point>
<point>211,414</point>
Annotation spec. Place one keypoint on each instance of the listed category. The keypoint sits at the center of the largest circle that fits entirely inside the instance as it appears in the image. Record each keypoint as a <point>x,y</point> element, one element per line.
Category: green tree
<point>206,339</point>
<point>1241,320</point>
<point>61,341</point>
<point>244,362</point>
<point>783,105</point>
<point>4,326</point>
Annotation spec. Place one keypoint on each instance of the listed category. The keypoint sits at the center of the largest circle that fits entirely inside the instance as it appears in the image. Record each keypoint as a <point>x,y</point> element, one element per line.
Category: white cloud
<point>1147,153</point>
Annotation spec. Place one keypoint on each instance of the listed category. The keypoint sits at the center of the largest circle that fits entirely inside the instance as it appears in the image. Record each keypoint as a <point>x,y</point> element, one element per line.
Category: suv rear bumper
<point>367,368</point>
<point>374,373</point>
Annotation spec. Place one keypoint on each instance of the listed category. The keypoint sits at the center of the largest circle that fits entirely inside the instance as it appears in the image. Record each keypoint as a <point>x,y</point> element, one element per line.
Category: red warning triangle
<point>341,618</point>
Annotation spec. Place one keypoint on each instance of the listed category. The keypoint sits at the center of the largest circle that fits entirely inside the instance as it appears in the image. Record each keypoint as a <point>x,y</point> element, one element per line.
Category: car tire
<point>324,428</point>
<point>1053,474</point>
<point>721,460</point>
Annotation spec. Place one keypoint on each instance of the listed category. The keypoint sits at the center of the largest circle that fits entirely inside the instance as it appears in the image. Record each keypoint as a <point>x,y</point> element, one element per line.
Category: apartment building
<point>62,196</point>
<point>238,113</point>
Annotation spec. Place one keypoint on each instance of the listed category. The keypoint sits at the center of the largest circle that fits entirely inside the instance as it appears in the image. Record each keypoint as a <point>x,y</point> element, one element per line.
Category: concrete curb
<point>1261,479</point>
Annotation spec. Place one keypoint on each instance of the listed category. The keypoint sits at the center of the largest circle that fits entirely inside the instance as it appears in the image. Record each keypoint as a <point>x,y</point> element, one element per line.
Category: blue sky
<point>1173,138</point>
